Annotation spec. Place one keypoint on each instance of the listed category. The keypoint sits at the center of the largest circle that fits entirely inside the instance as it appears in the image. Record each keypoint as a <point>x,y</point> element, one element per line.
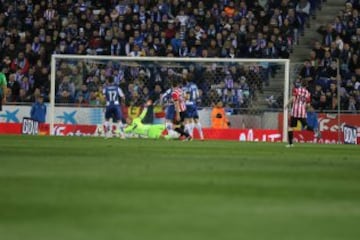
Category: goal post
<point>216,74</point>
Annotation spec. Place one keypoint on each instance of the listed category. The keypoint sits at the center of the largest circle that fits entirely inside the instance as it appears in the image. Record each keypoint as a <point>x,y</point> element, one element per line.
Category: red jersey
<point>177,95</point>
<point>302,98</point>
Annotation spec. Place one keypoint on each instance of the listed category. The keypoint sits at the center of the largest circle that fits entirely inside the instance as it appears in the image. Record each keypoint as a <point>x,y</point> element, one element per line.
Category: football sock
<point>290,136</point>
<point>121,129</point>
<point>199,128</point>
<point>187,128</point>
<point>181,132</point>
<point>168,126</point>
<point>107,129</point>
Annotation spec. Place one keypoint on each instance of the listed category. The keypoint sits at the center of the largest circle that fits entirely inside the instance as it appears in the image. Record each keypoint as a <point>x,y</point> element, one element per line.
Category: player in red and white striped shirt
<point>300,101</point>
<point>178,99</point>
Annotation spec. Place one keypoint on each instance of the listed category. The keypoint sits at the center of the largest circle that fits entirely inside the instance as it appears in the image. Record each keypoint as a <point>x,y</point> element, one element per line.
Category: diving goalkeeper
<point>153,131</point>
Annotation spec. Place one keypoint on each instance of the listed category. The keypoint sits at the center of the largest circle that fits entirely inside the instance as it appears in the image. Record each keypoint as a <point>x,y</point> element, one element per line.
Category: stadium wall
<point>248,135</point>
<point>95,115</point>
<point>264,127</point>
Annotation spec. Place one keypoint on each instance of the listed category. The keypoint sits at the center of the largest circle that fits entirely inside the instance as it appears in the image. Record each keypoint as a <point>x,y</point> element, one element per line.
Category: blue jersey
<point>192,92</point>
<point>113,94</point>
<point>166,97</point>
<point>167,102</point>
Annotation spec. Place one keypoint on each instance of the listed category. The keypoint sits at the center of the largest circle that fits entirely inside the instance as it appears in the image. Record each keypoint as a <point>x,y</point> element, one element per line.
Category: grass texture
<point>79,188</point>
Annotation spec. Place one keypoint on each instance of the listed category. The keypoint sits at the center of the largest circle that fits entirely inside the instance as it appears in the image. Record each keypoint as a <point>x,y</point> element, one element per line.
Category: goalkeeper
<point>153,131</point>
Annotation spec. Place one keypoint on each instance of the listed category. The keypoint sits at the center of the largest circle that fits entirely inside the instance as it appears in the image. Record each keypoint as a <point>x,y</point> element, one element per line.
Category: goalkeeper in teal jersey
<point>153,131</point>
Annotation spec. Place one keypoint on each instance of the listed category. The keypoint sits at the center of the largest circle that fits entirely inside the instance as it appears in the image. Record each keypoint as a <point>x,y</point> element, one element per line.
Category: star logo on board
<point>10,116</point>
<point>68,117</point>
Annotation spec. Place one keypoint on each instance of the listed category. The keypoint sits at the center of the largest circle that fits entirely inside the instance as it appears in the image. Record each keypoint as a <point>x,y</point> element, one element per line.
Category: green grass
<point>79,188</point>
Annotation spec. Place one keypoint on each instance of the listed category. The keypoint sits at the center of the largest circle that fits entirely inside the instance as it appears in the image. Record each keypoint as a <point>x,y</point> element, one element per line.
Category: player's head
<point>148,103</point>
<point>304,83</point>
<point>219,104</point>
<point>174,83</point>
<point>40,98</point>
<point>110,80</point>
<point>299,82</point>
<point>185,75</point>
<point>128,120</point>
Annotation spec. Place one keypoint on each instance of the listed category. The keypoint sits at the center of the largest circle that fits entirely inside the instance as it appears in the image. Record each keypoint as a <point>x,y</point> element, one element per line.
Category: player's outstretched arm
<point>291,100</point>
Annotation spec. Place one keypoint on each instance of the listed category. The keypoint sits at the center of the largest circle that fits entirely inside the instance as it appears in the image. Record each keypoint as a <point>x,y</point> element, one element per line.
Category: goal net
<point>251,90</point>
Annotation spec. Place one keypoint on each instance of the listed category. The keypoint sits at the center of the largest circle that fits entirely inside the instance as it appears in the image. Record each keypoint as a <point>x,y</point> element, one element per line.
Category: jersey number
<point>112,96</point>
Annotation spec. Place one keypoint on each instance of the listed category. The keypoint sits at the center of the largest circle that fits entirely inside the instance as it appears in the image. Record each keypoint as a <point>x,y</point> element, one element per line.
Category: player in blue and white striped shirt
<point>113,95</point>
<point>191,115</point>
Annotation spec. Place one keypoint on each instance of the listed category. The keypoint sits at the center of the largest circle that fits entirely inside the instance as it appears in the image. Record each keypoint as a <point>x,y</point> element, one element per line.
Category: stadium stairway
<point>329,11</point>
<point>301,51</point>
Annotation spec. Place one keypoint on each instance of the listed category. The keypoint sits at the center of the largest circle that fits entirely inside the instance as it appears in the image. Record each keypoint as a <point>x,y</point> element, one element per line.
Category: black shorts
<point>182,118</point>
<point>294,120</point>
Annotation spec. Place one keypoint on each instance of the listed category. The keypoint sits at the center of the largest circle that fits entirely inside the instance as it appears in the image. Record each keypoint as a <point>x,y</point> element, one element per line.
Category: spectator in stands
<point>328,73</point>
<point>303,10</point>
<point>9,98</point>
<point>80,100</point>
<point>308,73</point>
<point>353,105</point>
<point>23,96</point>
<point>272,102</point>
<point>14,86</point>
<point>41,76</point>
<point>316,95</point>
<point>319,50</point>
<point>93,99</point>
<point>84,93</point>
<point>329,35</point>
<point>67,86</point>
<point>65,97</point>
<point>20,64</point>
<point>151,28</point>
<point>353,62</point>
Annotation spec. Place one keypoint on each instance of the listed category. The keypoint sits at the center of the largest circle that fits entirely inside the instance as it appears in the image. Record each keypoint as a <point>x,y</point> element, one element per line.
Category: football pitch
<point>77,188</point>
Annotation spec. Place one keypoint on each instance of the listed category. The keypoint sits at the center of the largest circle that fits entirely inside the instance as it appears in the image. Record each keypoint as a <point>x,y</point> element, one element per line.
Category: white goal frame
<point>54,57</point>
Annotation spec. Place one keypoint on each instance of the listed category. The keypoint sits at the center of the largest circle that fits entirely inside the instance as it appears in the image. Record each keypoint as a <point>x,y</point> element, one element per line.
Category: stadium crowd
<point>32,30</point>
<point>333,62</point>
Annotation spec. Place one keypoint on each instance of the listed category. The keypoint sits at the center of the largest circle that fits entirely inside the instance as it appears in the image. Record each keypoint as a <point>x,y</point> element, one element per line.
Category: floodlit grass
<point>58,188</point>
